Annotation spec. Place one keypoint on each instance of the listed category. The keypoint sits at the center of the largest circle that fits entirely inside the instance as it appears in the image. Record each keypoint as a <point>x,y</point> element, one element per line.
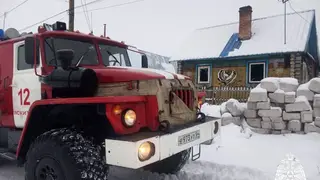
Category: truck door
<point>26,87</point>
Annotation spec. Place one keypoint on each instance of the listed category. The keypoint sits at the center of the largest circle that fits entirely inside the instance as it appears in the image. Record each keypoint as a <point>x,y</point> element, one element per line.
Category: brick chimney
<point>245,21</point>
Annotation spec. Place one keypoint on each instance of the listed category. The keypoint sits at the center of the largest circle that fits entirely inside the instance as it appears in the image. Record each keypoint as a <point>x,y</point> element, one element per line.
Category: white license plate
<point>187,138</point>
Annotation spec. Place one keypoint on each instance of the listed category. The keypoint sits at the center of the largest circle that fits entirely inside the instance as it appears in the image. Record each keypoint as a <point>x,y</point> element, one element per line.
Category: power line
<point>43,20</point>
<point>112,6</point>
<point>67,10</point>
<point>7,12</point>
<point>85,14</point>
<point>117,5</point>
<point>297,12</point>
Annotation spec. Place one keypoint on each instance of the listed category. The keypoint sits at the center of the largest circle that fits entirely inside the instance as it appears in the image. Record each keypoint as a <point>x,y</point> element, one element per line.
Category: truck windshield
<point>114,55</point>
<point>84,51</point>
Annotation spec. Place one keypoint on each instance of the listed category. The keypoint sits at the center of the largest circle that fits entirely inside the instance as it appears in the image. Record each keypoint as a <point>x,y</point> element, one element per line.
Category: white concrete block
<point>234,107</point>
<point>252,105</point>
<point>250,113</point>
<point>303,90</point>
<point>306,116</point>
<point>316,112</point>
<point>273,112</point>
<point>266,125</point>
<point>223,108</point>
<point>288,84</point>
<point>271,84</point>
<point>284,131</point>
<point>277,96</point>
<point>294,125</point>
<point>301,104</point>
<point>258,94</point>
<point>316,101</point>
<point>310,127</point>
<point>317,121</point>
<point>264,105</point>
<point>228,119</point>
<point>254,122</point>
<point>279,125</point>
<point>237,121</point>
<point>289,97</point>
<point>276,119</point>
<point>267,119</point>
<point>314,85</point>
<point>290,116</point>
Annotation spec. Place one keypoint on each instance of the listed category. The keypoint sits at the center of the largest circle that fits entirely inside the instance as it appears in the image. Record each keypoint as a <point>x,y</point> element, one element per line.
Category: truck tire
<point>170,165</point>
<point>64,154</point>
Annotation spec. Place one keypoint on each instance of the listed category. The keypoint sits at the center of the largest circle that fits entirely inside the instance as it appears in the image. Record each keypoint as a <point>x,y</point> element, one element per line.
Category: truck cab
<point>75,109</point>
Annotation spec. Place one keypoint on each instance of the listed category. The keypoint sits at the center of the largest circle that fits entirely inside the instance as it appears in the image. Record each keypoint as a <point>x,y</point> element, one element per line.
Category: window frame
<point>18,58</point>
<point>249,71</point>
<point>204,66</point>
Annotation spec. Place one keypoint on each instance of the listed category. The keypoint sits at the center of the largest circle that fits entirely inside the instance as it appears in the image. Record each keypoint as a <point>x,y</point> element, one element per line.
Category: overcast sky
<point>154,25</point>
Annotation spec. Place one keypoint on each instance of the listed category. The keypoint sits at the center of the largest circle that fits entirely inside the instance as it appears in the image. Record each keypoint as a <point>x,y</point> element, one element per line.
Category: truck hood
<point>125,74</point>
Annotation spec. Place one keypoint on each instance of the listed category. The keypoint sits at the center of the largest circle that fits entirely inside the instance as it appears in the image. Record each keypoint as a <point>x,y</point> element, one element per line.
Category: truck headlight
<point>129,117</point>
<point>146,151</point>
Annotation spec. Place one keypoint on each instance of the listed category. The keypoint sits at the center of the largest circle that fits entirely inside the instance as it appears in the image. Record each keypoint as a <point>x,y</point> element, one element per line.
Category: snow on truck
<point>69,112</point>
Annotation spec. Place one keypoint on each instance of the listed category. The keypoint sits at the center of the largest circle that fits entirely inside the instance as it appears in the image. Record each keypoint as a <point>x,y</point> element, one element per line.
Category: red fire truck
<point>68,111</point>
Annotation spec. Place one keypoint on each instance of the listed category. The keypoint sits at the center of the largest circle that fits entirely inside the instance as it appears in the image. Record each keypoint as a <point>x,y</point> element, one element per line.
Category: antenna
<point>285,20</point>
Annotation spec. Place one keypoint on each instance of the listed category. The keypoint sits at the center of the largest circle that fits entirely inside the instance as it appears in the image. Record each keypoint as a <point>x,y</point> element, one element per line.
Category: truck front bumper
<point>123,152</point>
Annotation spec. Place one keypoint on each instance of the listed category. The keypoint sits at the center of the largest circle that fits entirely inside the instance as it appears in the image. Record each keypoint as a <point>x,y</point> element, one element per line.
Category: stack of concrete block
<point>232,112</point>
<point>282,106</point>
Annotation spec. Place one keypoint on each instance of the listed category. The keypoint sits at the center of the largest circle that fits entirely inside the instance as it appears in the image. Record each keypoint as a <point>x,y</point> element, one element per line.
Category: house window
<point>257,71</point>
<point>203,74</point>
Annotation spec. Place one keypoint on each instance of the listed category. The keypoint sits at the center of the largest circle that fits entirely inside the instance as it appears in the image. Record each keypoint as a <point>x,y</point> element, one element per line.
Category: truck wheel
<point>64,154</point>
<point>170,165</point>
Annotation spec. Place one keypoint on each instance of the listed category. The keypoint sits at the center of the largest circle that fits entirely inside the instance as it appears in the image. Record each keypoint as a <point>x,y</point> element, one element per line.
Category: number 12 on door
<point>24,96</point>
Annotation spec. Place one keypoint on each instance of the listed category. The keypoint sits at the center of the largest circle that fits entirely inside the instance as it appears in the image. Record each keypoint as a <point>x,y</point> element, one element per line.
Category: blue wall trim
<point>233,43</point>
<point>210,75</point>
<point>266,61</point>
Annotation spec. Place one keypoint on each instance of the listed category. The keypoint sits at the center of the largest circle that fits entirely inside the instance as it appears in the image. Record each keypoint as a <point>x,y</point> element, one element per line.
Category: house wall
<point>235,73</point>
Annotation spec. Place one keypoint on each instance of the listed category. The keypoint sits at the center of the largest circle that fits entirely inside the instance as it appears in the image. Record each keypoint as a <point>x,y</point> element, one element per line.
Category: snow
<point>209,42</point>
<point>238,154</point>
<point>211,110</point>
<point>264,152</point>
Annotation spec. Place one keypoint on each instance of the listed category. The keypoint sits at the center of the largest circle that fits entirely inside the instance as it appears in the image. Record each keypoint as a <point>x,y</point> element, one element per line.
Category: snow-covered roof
<point>267,37</point>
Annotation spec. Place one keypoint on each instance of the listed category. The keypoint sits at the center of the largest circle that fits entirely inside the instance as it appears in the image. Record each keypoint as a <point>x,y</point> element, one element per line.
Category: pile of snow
<point>281,106</point>
<point>211,110</point>
<point>264,152</point>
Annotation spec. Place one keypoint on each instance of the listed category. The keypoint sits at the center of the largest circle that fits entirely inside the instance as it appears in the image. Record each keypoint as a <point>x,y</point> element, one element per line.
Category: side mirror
<point>144,61</point>
<point>30,55</point>
<point>65,56</point>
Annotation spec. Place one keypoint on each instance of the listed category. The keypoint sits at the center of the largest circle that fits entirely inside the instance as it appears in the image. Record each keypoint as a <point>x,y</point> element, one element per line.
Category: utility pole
<point>104,30</point>
<point>71,15</point>
<point>285,20</point>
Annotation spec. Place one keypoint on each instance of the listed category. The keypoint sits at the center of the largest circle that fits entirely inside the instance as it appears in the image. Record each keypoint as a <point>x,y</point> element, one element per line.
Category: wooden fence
<point>218,95</point>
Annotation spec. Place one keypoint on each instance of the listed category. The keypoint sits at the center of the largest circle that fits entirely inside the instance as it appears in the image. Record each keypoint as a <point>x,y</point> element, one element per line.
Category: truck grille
<point>186,95</point>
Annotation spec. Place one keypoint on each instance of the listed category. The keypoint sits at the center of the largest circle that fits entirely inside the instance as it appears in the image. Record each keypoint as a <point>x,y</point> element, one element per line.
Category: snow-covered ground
<point>235,156</point>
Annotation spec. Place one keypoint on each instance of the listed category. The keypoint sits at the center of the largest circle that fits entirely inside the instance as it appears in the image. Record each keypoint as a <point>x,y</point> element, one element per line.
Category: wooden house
<point>240,54</point>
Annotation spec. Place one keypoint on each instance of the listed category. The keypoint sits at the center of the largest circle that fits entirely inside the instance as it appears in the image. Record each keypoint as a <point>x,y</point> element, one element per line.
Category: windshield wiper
<point>115,59</point>
<point>83,55</point>
<point>53,51</point>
